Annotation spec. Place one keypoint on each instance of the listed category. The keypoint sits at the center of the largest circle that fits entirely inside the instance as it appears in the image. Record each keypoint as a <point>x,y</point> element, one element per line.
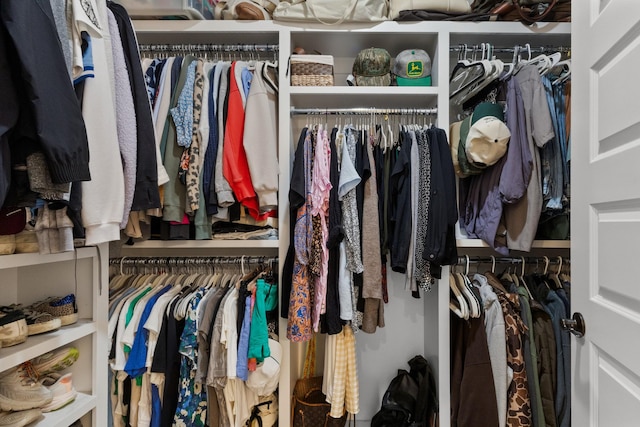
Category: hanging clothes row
<point>64,141</point>
<point>193,340</point>
<point>216,141</point>
<point>512,151</point>
<point>362,195</point>
<point>510,356</point>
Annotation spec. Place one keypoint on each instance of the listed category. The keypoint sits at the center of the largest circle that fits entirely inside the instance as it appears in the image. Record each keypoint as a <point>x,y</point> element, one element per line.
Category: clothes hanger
<point>555,276</point>
<point>522,281</point>
<point>467,75</point>
<point>273,83</point>
<point>492,69</point>
<point>465,287</point>
<point>457,302</point>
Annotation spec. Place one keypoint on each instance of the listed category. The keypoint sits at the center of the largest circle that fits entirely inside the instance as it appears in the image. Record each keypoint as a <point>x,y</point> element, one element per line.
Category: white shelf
<point>222,26</point>
<point>63,417</point>
<point>537,244</point>
<point>39,344</point>
<point>203,244</point>
<point>25,260</point>
<point>364,90</point>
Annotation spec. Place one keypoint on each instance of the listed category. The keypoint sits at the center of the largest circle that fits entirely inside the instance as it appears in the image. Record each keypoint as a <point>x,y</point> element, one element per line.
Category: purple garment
<point>484,206</point>
<point>242,364</point>
<point>517,169</point>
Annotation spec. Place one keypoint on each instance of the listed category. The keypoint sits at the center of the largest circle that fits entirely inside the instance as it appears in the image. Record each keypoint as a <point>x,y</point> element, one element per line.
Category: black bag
<point>410,400</point>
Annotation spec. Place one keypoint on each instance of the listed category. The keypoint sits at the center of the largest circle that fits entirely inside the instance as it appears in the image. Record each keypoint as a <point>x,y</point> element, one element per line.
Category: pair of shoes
<point>61,389</point>
<point>64,308</point>
<point>13,328</point>
<point>20,389</point>
<point>38,322</point>
<point>55,361</point>
<point>20,418</point>
<point>48,315</point>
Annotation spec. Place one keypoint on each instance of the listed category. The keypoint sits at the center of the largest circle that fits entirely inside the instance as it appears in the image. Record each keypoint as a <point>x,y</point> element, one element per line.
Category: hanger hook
<point>546,264</point>
<point>522,269</point>
<point>466,266</point>
<point>493,264</point>
<point>122,262</point>
<point>559,265</point>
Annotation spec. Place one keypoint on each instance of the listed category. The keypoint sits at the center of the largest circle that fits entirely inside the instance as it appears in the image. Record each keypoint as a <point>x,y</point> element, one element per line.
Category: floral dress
<point>192,397</point>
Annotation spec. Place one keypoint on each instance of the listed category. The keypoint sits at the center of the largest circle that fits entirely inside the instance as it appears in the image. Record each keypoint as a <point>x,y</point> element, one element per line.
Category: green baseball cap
<point>412,67</point>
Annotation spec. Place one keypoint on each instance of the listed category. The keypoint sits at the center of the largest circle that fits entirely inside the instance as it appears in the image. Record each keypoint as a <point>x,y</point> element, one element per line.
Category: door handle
<point>575,325</point>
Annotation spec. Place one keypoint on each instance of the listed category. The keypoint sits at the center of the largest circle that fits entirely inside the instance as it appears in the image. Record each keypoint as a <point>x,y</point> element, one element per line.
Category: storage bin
<point>311,70</point>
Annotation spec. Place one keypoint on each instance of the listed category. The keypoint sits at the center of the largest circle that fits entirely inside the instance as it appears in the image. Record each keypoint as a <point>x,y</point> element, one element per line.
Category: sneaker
<point>62,390</point>
<point>20,390</point>
<point>55,361</point>
<point>63,308</point>
<point>20,418</point>
<point>13,327</point>
<point>39,322</point>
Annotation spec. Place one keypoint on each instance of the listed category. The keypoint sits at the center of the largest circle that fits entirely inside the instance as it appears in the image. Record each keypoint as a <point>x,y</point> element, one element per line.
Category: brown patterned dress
<point>518,400</point>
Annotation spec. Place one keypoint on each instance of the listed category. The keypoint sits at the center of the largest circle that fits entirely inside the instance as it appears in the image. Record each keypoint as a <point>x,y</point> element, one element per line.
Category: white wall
<point>380,355</point>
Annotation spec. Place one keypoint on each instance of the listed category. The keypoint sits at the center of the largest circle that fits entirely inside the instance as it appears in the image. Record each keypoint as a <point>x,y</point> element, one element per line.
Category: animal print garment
<point>193,171</point>
<point>518,401</point>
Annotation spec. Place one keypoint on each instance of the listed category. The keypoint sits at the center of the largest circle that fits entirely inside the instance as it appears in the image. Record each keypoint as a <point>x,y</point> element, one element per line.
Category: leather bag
<point>517,10</point>
<point>332,12</point>
<point>446,6</point>
<point>309,407</point>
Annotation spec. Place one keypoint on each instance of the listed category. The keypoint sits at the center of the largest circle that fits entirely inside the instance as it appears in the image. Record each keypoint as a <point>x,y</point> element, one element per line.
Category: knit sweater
<point>103,196</point>
<point>126,116</point>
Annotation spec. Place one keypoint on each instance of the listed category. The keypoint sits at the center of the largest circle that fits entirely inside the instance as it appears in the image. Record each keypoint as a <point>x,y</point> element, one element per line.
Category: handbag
<point>332,12</point>
<point>447,6</point>
<point>531,11</point>
<point>309,406</point>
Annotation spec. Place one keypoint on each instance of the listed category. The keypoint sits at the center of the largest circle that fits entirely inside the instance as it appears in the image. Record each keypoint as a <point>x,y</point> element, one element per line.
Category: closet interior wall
<point>413,326</point>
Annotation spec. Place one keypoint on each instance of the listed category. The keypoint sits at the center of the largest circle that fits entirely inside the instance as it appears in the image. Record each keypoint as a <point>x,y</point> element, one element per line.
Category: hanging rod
<point>208,47</point>
<point>365,111</point>
<point>204,260</point>
<point>509,260</point>
<point>520,48</point>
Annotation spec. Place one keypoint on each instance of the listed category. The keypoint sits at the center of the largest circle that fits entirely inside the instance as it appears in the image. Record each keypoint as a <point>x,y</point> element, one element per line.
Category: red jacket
<point>235,167</point>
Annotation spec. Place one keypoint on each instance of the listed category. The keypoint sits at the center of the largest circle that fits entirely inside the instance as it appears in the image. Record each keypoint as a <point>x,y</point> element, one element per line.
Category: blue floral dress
<point>192,397</point>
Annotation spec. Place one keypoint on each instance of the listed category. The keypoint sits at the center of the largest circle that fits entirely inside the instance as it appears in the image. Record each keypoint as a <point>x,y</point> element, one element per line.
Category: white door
<point>605,236</point>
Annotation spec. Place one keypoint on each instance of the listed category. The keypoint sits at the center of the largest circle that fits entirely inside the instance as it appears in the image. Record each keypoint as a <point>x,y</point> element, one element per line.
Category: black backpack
<point>410,400</point>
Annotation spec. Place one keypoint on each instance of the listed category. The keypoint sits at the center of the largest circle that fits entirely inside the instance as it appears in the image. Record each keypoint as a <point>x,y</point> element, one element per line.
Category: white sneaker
<point>20,418</point>
<point>20,390</point>
<point>62,390</point>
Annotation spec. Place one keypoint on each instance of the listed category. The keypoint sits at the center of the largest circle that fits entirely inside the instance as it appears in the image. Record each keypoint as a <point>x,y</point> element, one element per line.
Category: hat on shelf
<point>412,67</point>
<point>488,135</point>
<point>372,67</point>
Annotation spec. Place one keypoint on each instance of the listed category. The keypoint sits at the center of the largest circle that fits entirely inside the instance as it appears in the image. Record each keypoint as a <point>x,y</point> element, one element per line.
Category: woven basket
<point>312,70</point>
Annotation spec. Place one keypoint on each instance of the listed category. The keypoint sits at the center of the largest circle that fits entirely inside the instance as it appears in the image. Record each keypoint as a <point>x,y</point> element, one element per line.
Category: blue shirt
<point>135,365</point>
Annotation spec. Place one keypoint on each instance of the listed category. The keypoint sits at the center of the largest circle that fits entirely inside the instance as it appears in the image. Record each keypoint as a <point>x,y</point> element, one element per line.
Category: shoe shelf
<point>36,345</point>
<point>67,415</point>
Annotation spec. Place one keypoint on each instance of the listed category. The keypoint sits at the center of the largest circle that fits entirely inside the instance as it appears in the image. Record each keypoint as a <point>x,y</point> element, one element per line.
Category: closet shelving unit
<point>378,355</point>
<point>27,278</point>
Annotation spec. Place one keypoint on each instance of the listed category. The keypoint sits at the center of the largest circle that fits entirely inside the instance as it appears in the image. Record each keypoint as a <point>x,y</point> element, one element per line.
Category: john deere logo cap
<point>412,67</point>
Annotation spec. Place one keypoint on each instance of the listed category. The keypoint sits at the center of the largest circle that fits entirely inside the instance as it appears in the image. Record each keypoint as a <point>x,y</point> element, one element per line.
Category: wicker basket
<point>311,70</point>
